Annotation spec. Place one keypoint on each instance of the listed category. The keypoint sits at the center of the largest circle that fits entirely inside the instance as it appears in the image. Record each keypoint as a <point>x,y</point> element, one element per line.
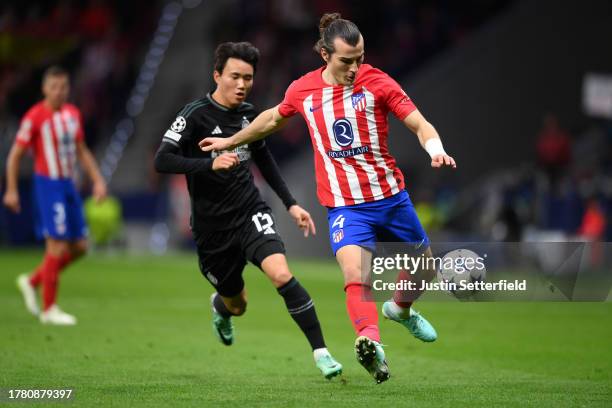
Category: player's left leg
<point>76,250</point>
<point>221,262</point>
<point>403,225</point>
<point>299,304</point>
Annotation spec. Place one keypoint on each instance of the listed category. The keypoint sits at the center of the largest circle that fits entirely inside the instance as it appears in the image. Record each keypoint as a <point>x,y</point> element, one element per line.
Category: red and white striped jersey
<point>52,136</point>
<point>348,128</point>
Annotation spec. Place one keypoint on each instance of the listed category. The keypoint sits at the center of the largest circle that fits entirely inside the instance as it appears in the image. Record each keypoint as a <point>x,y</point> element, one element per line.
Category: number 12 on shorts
<point>263,222</point>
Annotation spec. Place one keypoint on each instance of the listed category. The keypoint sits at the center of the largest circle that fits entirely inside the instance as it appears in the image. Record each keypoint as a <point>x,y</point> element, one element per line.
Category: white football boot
<point>29,294</point>
<point>56,316</point>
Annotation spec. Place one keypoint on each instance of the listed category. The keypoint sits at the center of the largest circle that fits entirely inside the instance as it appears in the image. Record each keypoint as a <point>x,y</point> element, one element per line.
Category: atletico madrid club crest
<point>359,102</point>
<point>338,235</point>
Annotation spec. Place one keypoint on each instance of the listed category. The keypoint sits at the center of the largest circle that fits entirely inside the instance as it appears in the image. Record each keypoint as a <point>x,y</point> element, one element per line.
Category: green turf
<point>144,339</point>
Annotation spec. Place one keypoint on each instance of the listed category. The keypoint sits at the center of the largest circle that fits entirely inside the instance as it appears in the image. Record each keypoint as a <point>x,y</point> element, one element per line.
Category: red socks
<point>363,314</point>
<point>47,274</point>
<point>37,276</point>
<point>51,268</point>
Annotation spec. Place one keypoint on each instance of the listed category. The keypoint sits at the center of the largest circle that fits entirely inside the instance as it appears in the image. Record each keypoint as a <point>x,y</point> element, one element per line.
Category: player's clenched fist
<point>225,161</point>
<point>11,201</point>
<point>99,191</point>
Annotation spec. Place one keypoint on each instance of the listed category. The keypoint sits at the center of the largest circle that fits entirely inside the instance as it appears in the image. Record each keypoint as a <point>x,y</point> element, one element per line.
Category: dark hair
<point>332,26</point>
<point>244,51</point>
<point>54,71</point>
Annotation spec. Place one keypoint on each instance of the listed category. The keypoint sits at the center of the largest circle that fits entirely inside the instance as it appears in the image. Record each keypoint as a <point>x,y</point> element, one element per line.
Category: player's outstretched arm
<point>170,160</point>
<point>268,121</point>
<point>91,168</point>
<point>429,139</point>
<point>11,195</point>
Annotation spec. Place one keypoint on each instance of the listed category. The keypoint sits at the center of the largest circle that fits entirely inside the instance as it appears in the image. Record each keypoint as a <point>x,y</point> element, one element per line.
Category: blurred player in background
<point>231,223</point>
<point>345,104</point>
<point>53,130</point>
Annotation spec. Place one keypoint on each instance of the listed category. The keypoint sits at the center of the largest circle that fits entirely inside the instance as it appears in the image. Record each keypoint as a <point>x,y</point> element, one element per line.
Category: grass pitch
<point>144,339</point>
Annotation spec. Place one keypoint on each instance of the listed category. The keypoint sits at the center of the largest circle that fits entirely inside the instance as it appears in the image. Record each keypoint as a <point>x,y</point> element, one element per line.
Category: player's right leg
<point>66,252</point>
<point>351,230</point>
<point>76,250</point>
<point>55,250</point>
<point>221,263</point>
<point>223,308</point>
<point>362,311</point>
<point>29,294</point>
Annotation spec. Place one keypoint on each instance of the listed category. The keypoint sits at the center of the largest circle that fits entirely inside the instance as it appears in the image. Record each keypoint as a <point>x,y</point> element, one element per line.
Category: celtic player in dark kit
<point>231,223</point>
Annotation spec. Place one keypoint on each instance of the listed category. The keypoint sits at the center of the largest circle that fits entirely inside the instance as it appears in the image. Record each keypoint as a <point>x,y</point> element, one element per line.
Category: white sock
<point>320,352</point>
<point>400,311</point>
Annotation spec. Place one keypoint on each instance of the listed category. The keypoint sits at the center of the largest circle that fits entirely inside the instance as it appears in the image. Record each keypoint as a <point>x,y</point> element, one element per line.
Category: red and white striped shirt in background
<point>52,136</point>
<point>348,128</point>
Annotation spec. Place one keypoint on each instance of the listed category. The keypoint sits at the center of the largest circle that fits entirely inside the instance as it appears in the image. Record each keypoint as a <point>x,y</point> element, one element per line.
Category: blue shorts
<point>59,209</point>
<point>392,219</point>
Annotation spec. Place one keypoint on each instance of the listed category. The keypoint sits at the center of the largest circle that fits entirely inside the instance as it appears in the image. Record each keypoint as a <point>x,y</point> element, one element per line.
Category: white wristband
<point>434,147</point>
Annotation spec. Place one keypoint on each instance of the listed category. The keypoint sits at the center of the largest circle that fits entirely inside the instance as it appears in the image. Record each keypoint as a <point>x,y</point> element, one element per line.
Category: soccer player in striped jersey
<point>345,104</point>
<point>53,131</point>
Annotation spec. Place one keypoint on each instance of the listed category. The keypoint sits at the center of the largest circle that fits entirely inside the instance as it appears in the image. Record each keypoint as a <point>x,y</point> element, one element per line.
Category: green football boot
<point>416,324</point>
<point>222,327</point>
<point>329,367</point>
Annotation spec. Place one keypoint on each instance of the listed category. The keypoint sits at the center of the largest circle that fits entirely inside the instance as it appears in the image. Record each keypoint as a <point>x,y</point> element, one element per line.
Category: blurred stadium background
<point>521,93</point>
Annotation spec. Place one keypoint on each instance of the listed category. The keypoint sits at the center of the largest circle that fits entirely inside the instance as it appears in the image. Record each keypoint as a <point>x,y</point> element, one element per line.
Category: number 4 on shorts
<point>339,221</point>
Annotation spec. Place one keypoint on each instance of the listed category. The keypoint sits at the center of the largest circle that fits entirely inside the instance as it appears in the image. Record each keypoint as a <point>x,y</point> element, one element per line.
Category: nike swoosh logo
<point>314,108</point>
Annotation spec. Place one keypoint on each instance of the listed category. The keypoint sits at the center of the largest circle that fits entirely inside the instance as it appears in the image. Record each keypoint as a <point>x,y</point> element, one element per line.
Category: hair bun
<point>327,19</point>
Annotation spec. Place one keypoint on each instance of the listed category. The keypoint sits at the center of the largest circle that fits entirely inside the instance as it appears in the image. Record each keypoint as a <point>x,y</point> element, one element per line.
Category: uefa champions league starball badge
<point>179,124</point>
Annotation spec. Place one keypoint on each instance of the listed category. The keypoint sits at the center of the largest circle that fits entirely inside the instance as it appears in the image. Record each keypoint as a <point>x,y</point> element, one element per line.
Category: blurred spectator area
<point>565,190</point>
<point>491,75</point>
<point>99,42</point>
<point>399,37</point>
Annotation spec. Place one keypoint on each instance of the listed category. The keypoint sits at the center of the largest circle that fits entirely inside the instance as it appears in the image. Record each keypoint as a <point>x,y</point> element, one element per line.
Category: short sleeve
<point>287,106</point>
<point>396,99</point>
<point>180,131</point>
<point>25,132</point>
